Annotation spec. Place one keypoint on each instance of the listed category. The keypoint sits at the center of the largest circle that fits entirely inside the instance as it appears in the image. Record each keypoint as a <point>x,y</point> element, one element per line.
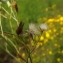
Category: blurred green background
<point>50,47</point>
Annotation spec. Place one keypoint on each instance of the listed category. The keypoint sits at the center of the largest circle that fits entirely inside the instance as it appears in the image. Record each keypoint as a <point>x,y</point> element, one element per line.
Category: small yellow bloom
<point>43,54</point>
<point>57,20</point>
<point>61,23</point>
<point>58,16</point>
<point>54,30</point>
<point>55,44</point>
<point>58,59</point>
<point>61,18</point>
<point>45,41</point>
<point>18,59</point>
<point>40,43</point>
<point>46,9</point>
<point>41,38</point>
<point>52,38</point>
<point>62,51</point>
<point>23,54</point>
<point>62,28</point>
<point>50,52</point>
<point>50,31</point>
<point>54,6</point>
<point>51,20</point>
<point>47,35</point>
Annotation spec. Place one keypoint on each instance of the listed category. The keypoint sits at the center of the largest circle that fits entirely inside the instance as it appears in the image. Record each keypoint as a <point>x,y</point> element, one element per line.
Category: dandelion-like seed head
<point>33,29</point>
<point>43,27</point>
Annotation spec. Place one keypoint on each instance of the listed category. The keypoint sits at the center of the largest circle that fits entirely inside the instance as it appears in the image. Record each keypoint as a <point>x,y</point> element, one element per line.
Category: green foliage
<point>46,48</point>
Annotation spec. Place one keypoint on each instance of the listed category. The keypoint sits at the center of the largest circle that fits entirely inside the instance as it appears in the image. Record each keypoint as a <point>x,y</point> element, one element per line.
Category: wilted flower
<point>14,4</point>
<point>33,29</point>
<point>43,27</point>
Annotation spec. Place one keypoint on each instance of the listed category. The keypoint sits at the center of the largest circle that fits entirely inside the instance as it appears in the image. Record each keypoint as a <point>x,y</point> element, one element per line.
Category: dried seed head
<point>43,27</point>
<point>14,4</point>
<point>20,28</point>
<point>33,29</point>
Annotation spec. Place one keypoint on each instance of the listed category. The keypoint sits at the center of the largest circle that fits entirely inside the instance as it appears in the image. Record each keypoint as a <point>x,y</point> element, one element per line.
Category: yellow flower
<point>46,9</point>
<point>62,51</point>
<point>50,52</point>
<point>54,6</point>
<point>58,59</point>
<point>54,30</point>
<point>58,15</point>
<point>61,18</point>
<point>40,43</point>
<point>41,38</point>
<point>61,23</point>
<point>50,31</point>
<point>47,35</point>
<point>51,20</point>
<point>45,41</point>
<point>55,44</point>
<point>18,59</point>
<point>23,54</point>
<point>43,54</point>
<point>52,38</point>
<point>57,20</point>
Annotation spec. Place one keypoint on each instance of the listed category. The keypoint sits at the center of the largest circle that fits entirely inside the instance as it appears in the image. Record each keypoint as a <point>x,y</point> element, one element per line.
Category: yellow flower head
<point>51,20</point>
<point>23,54</point>
<point>58,59</point>
<point>62,51</point>
<point>50,52</point>
<point>53,6</point>
<point>43,54</point>
<point>42,38</point>
<point>47,35</point>
<point>61,18</point>
<point>55,44</point>
<point>46,9</point>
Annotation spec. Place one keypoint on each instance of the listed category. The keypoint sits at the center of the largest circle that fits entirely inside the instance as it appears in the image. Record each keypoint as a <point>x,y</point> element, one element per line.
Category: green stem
<point>9,14</point>
<point>30,57</point>
<point>0,19</point>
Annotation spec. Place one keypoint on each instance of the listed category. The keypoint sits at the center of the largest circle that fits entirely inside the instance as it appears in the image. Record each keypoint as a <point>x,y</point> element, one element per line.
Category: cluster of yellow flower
<point>53,35</point>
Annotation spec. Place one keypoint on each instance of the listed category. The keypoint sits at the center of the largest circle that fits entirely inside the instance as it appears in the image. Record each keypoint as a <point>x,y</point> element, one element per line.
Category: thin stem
<point>9,14</point>
<point>10,21</point>
<point>12,55</point>
<point>7,33</point>
<point>29,59</point>
<point>1,20</point>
